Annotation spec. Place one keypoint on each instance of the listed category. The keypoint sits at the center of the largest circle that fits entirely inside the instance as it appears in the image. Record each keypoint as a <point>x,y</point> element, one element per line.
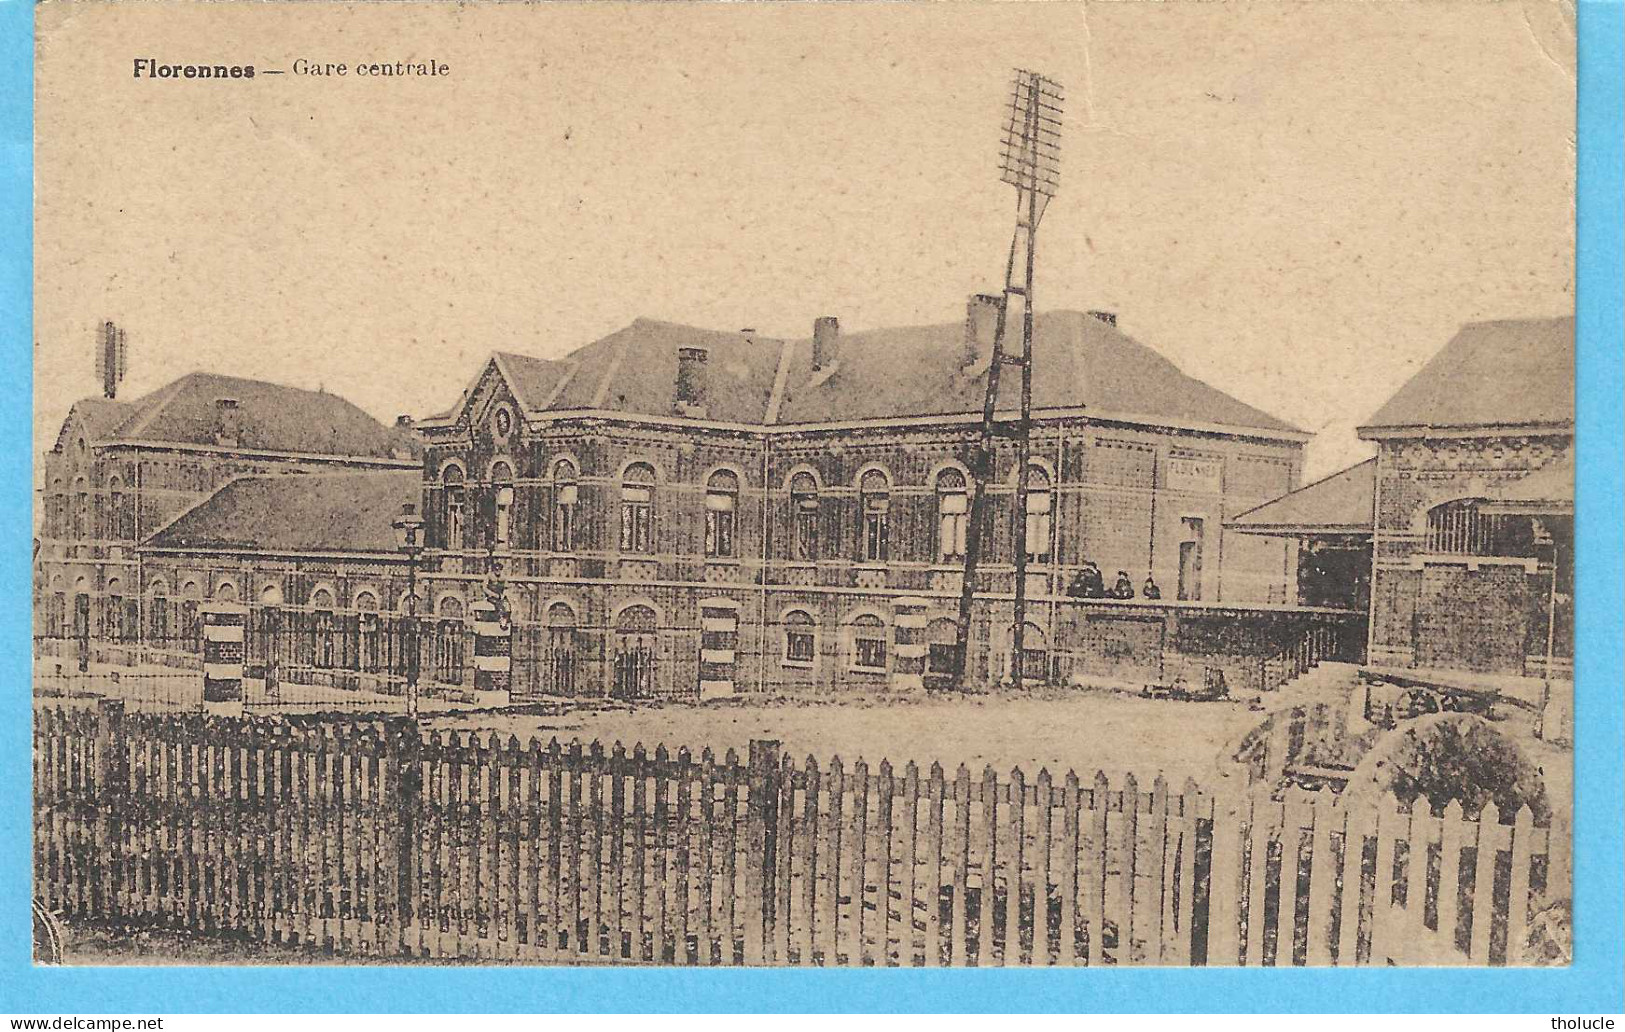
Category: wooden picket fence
<point>372,839</point>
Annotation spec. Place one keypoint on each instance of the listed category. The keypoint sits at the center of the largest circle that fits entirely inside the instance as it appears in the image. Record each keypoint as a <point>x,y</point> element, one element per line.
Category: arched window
<point>113,624</point>
<point>449,642</point>
<point>81,508</point>
<point>721,504</point>
<point>804,516</point>
<point>874,493</point>
<point>323,627</point>
<point>1461,528</point>
<point>271,595</point>
<point>637,508</point>
<point>800,639</point>
<point>501,503</point>
<point>635,649</point>
<point>158,614</point>
<point>558,667</point>
<point>868,643</point>
<point>455,502</point>
<point>953,514</point>
<point>1039,519</point>
<point>564,506</point>
<point>118,526</point>
<point>368,650</point>
<point>1034,652</point>
<point>191,626</point>
<point>225,591</point>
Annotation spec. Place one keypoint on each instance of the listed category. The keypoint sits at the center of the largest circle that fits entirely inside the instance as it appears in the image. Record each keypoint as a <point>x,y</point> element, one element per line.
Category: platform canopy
<point>1338,505</point>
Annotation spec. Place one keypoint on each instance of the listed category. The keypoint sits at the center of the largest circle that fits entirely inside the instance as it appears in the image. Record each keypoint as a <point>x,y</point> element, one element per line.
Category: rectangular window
<point>637,519</point>
<point>875,533</point>
<point>951,531</point>
<point>870,653</point>
<point>942,659</point>
<point>1038,526</point>
<point>799,647</point>
<point>806,531</point>
<point>719,525</point>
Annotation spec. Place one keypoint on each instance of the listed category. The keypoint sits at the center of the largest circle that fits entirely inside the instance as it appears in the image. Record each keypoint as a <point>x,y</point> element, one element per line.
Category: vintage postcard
<point>1076,484</point>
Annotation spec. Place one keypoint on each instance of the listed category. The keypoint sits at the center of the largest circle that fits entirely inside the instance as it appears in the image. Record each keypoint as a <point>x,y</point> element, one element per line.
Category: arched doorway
<point>636,642</point>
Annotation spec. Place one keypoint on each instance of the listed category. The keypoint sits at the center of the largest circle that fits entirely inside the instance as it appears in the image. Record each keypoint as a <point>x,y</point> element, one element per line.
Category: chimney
<point>826,341</point>
<point>404,422</point>
<point>691,377</point>
<point>227,422</point>
<point>981,318</point>
<point>1109,318</point>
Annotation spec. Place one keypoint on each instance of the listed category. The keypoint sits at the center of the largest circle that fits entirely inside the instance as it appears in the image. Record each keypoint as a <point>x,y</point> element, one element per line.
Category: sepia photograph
<point>1080,484</point>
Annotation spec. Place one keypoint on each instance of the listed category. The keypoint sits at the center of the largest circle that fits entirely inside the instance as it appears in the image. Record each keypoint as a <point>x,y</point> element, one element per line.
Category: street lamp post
<point>408,526</point>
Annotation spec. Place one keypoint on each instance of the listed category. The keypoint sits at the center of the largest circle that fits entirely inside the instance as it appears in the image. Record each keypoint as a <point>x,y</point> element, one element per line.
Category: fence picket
<point>1094,867</point>
<point>1043,794</point>
<point>1523,829</point>
<point>1488,844</point>
<point>811,854</point>
<point>1321,874</point>
<point>377,839</point>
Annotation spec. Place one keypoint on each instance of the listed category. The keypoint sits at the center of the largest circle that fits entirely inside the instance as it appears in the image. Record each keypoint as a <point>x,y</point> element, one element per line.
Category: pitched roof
<point>1510,372</point>
<point>884,373</point>
<point>271,417</point>
<point>98,416</point>
<point>310,512</point>
<point>1339,504</point>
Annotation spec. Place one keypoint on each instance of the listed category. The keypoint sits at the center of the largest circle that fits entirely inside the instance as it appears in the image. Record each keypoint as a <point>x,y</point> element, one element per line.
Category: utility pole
<point>1030,161</point>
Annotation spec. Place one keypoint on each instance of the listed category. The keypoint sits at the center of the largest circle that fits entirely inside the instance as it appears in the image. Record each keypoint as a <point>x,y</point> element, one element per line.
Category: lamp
<point>408,528</point>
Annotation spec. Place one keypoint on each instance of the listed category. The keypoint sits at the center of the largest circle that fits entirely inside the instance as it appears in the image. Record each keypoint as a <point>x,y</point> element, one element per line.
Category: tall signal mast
<point>1030,161</point>
<point>111,355</point>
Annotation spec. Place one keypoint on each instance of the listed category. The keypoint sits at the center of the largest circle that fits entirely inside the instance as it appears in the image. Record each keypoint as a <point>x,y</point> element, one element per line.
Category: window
<point>1034,654</point>
<point>158,615</point>
<point>368,651</point>
<point>501,504</point>
<point>564,506</point>
<point>874,493</point>
<point>1190,559</point>
<point>637,508</point>
<point>953,511</point>
<point>800,639</point>
<point>455,500</point>
<point>868,643</point>
<point>81,508</point>
<point>116,527</point>
<point>942,657</point>
<point>113,625</point>
<point>1039,501</point>
<point>721,503</point>
<point>323,627</point>
<point>1460,528</point>
<point>804,516</point>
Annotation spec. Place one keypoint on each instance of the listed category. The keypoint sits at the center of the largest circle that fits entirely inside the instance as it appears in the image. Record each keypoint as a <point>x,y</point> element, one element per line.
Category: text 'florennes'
<point>148,68</point>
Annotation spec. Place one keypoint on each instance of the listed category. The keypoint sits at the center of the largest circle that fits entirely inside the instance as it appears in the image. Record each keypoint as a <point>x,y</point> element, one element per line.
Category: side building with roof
<point>1459,533</point>
<point>678,511</point>
<point>120,471</point>
<point>1473,539</point>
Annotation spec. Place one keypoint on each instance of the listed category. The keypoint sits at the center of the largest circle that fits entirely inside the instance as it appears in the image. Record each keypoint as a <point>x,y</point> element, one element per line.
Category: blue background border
<point>1596,982</point>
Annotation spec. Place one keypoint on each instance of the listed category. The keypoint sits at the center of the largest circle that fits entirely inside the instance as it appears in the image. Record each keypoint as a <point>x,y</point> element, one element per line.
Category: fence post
<point>762,829</point>
<point>403,750</point>
<point>112,778</point>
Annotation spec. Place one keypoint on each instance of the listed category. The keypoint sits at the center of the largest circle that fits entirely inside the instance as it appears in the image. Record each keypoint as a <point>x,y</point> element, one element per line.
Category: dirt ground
<point>1081,731</point>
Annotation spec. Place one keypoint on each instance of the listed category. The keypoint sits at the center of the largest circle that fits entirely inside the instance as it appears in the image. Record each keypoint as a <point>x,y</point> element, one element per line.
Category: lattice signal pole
<point>111,356</point>
<point>1030,161</point>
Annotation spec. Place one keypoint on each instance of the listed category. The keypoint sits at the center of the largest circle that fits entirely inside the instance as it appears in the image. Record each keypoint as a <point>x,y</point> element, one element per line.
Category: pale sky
<point>1297,202</point>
